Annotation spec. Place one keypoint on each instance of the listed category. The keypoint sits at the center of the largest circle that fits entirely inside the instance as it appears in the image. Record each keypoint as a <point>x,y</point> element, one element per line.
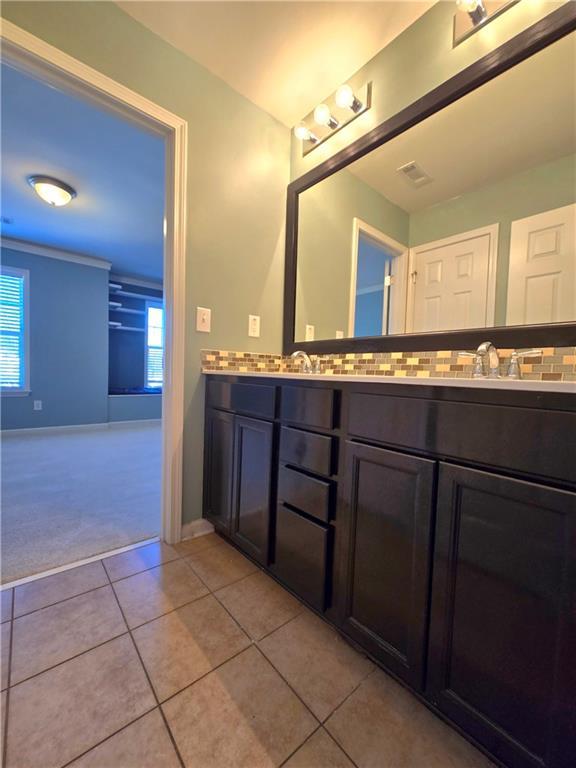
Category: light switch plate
<point>339,334</point>
<point>254,326</point>
<point>37,405</point>
<point>309,335</point>
<point>203,319</point>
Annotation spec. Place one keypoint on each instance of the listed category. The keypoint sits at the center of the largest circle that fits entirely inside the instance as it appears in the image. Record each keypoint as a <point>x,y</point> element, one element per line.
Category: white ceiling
<point>523,118</point>
<point>283,56</point>
<point>116,168</point>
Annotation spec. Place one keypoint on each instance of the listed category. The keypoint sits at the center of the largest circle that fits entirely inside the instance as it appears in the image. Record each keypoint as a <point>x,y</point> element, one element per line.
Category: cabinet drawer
<point>254,399</point>
<point>308,406</point>
<point>302,551</point>
<point>306,449</point>
<point>308,494</point>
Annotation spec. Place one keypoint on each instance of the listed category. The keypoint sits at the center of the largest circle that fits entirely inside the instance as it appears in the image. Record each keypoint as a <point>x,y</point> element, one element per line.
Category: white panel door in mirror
<point>451,283</point>
<point>542,272</point>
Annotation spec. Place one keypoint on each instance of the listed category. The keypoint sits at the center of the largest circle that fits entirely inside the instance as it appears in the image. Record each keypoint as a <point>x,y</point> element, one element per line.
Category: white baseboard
<point>196,528</point>
<point>77,427</point>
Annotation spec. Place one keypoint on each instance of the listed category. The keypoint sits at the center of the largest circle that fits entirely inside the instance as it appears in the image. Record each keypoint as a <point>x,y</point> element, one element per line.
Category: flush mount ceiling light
<point>323,116</point>
<point>346,99</point>
<point>52,191</point>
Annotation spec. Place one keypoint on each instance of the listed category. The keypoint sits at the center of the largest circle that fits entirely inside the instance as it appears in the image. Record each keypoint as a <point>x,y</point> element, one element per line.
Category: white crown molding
<point>114,278</point>
<point>53,253</point>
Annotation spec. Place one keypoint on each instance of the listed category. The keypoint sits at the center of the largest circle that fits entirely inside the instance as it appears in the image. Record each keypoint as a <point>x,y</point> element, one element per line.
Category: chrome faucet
<point>487,349</point>
<point>307,365</point>
<point>514,370</point>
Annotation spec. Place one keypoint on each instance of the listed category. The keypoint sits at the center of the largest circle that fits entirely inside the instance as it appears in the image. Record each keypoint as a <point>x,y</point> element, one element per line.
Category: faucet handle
<point>478,370</point>
<point>514,371</point>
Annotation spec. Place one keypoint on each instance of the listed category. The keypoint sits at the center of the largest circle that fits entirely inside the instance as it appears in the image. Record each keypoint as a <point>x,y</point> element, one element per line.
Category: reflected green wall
<point>238,169</point>
<point>325,215</point>
<point>539,189</point>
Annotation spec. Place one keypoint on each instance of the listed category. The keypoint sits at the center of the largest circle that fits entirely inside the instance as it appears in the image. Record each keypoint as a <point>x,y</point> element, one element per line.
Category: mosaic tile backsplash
<point>555,364</point>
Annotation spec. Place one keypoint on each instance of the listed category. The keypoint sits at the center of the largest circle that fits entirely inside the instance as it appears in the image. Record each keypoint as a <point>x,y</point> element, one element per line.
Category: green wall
<point>535,190</point>
<point>325,223</point>
<point>238,169</point>
<point>415,62</point>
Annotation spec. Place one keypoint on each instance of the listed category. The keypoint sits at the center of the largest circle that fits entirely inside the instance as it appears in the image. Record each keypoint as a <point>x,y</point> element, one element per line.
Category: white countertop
<point>504,383</point>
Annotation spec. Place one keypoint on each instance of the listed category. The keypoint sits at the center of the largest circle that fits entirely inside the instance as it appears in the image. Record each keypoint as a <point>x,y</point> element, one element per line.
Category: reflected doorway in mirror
<point>378,280</point>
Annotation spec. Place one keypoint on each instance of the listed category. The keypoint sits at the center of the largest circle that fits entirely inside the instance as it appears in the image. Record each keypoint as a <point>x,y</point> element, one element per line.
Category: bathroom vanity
<point>434,525</point>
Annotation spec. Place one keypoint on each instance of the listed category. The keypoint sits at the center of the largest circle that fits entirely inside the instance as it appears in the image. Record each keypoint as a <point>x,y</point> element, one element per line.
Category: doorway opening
<point>152,303</point>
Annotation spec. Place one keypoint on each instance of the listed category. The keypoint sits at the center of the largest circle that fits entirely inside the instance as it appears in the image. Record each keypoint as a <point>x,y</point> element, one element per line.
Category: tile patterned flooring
<point>190,656</point>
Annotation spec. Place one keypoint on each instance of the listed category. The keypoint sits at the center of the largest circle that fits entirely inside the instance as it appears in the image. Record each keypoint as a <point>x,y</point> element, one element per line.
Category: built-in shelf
<point>125,328</point>
<point>134,295</point>
<point>127,310</point>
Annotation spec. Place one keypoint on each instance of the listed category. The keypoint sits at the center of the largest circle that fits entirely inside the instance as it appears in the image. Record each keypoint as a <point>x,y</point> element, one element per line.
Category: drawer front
<point>307,450</point>
<point>308,494</point>
<point>538,442</point>
<point>308,406</point>
<point>302,551</point>
<point>254,399</point>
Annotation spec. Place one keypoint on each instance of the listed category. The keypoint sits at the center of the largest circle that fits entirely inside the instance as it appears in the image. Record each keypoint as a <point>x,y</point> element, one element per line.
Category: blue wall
<point>134,407</point>
<point>68,344</point>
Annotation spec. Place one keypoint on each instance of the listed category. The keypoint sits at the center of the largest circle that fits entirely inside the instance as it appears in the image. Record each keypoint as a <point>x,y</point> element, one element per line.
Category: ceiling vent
<point>414,174</point>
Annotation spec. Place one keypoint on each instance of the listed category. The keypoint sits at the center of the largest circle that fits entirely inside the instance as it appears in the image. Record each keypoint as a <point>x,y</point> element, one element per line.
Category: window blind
<point>154,345</point>
<point>12,361</point>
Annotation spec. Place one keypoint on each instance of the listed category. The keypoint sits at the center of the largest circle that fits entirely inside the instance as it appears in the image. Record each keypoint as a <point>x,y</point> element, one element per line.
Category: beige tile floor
<point>164,657</point>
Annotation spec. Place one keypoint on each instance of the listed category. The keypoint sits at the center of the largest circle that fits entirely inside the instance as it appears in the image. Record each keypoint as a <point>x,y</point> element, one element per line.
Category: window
<point>14,373</point>
<point>154,344</point>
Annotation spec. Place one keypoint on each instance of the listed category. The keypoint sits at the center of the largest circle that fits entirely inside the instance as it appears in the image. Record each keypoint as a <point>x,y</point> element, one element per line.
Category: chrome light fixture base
<point>472,16</point>
<point>339,117</point>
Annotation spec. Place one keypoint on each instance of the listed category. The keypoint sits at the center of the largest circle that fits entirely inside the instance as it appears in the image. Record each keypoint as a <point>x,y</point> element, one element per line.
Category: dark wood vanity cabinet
<point>434,527</point>
<point>218,468</point>
<point>502,651</point>
<point>386,564</point>
<point>250,523</point>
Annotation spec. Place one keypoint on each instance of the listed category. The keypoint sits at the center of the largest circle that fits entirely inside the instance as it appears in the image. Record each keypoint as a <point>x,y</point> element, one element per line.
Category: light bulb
<point>323,117</point>
<point>346,99</point>
<point>468,5</point>
<point>345,96</point>
<point>302,132</point>
<point>52,191</point>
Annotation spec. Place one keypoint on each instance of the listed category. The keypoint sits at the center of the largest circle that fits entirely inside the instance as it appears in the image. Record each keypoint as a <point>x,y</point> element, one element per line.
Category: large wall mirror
<point>463,222</point>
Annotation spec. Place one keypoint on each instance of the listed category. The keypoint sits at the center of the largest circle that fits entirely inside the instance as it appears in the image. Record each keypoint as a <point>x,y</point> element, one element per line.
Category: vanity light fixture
<point>473,15</point>
<point>474,8</point>
<point>302,132</point>
<point>323,116</point>
<point>346,99</point>
<point>52,191</point>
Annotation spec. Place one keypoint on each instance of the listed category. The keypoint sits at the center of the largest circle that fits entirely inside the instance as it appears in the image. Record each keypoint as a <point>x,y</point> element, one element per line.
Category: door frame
<point>359,227</point>
<point>492,230</point>
<point>34,56</point>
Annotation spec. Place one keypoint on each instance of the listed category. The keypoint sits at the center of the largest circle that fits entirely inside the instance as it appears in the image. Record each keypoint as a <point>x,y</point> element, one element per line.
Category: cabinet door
<point>252,481</point>
<point>502,638</point>
<point>219,450</point>
<point>386,568</point>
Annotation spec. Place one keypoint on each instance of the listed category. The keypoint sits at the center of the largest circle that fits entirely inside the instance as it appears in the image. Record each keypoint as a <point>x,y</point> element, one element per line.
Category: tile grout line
<point>103,741</point>
<point>4,755</point>
<point>154,694</point>
<point>108,580</point>
<point>306,740</point>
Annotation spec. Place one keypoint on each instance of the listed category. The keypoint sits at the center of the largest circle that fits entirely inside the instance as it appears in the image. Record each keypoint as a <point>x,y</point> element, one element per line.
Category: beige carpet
<point>76,493</point>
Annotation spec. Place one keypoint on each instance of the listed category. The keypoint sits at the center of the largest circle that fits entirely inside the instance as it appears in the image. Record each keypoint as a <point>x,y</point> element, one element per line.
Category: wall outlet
<point>339,334</point>
<point>37,405</point>
<point>203,319</point>
<point>254,326</point>
<point>309,335</point>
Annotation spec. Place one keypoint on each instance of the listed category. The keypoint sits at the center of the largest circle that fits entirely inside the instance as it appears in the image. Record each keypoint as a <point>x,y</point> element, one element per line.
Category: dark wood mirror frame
<point>545,32</point>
